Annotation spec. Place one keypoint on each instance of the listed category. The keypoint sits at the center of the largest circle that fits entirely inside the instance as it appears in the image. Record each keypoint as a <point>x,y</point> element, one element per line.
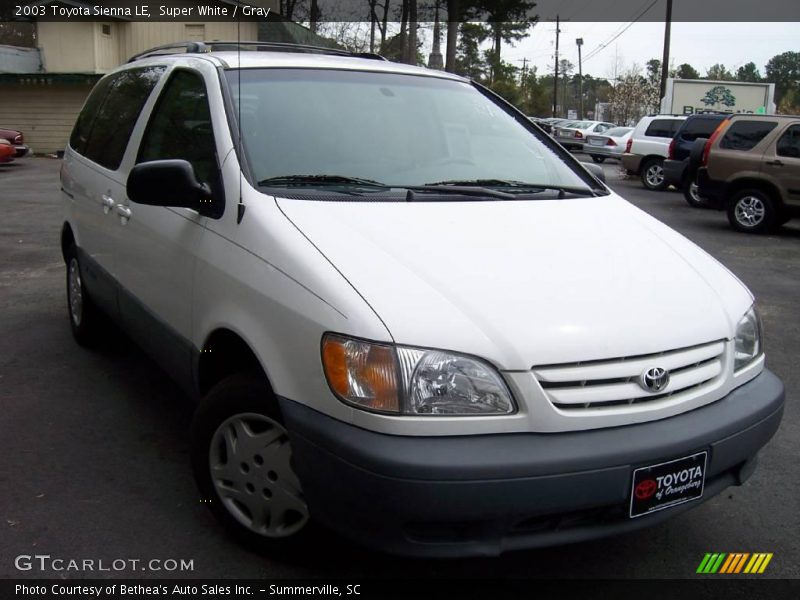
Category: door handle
<point>107,202</point>
<point>774,163</point>
<point>124,213</point>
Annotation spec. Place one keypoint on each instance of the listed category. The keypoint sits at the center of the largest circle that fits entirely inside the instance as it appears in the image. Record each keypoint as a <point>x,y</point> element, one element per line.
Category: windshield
<point>387,129</point>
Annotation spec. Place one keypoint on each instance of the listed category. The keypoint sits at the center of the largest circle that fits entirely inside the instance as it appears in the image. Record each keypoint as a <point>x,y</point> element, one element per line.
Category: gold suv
<point>750,167</point>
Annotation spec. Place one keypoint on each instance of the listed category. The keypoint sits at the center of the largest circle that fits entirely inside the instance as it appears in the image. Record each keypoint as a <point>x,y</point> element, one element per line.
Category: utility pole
<point>579,41</point>
<point>555,77</point>
<point>665,59</point>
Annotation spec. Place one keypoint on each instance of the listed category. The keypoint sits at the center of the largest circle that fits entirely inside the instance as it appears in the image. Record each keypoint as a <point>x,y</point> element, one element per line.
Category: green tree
<point>717,95</point>
<point>392,49</point>
<point>748,72</point>
<point>470,60</point>
<point>718,72</point>
<point>535,96</point>
<point>509,21</point>
<point>784,71</point>
<point>687,71</point>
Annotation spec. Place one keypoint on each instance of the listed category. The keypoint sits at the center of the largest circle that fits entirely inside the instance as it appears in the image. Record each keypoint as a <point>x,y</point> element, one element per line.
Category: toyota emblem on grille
<point>655,379</point>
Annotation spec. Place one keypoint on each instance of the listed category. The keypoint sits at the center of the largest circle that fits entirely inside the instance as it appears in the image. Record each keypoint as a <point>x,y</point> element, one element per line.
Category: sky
<point>699,44</point>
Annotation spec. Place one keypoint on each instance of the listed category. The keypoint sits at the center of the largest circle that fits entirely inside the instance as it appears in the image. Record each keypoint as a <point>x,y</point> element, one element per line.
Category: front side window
<point>110,114</point>
<point>745,135</point>
<point>180,127</point>
<point>398,130</point>
<point>789,143</point>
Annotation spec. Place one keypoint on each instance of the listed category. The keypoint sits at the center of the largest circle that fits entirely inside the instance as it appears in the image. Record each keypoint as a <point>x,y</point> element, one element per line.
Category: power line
<point>605,45</point>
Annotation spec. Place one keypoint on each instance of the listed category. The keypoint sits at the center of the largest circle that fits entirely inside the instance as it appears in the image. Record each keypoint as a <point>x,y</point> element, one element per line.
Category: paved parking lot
<point>94,444</point>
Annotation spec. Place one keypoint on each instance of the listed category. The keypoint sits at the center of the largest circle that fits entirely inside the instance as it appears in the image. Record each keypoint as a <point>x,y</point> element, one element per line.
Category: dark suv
<point>677,161</point>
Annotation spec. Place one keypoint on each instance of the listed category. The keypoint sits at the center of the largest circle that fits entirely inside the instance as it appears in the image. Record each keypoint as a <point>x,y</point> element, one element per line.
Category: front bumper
<point>485,494</point>
<point>21,150</point>
<point>674,172</point>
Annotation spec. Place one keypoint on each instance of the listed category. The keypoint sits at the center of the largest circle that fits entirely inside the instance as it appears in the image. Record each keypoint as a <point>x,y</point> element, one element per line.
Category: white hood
<point>525,283</point>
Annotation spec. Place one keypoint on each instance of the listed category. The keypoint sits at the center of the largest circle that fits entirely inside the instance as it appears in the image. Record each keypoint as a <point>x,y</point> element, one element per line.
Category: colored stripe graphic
<point>734,562</point>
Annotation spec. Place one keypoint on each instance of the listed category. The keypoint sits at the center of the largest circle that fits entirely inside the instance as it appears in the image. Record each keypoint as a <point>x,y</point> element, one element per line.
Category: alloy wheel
<point>749,211</point>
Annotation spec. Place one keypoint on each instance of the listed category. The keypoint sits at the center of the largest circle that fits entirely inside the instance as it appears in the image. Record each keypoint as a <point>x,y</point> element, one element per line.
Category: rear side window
<point>665,128</point>
<point>745,135</point>
<point>181,127</point>
<point>697,128</point>
<point>80,134</point>
<point>117,116</point>
<point>789,143</point>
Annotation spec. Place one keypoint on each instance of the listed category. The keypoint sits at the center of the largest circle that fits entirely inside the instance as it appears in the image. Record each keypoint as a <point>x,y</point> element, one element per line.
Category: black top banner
<point>360,10</point>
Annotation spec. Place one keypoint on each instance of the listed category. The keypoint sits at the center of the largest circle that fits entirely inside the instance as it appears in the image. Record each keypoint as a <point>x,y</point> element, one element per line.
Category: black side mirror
<point>170,183</point>
<point>595,170</point>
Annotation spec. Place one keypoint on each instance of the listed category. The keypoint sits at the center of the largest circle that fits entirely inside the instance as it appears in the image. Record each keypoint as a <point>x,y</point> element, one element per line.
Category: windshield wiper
<point>520,187</point>
<point>289,180</point>
<point>311,180</point>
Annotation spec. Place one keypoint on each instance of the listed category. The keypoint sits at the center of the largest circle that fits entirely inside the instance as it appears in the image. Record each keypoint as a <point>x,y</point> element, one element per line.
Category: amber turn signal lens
<point>361,373</point>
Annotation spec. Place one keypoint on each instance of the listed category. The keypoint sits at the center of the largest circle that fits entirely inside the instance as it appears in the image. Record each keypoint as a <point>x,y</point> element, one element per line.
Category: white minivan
<point>408,315</point>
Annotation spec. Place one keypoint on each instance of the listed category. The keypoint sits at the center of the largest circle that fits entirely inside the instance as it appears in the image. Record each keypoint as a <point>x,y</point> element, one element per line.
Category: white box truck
<point>696,96</point>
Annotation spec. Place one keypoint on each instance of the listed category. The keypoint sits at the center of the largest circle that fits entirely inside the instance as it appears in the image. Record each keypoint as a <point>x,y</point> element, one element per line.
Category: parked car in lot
<point>610,144</point>
<point>17,140</point>
<point>448,338</point>
<point>6,151</point>
<point>648,147</point>
<point>676,171</point>
<point>549,123</point>
<point>750,167</point>
<point>573,133</point>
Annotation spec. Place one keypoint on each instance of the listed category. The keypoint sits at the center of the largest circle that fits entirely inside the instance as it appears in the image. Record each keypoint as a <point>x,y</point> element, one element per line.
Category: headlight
<point>412,381</point>
<point>748,339</point>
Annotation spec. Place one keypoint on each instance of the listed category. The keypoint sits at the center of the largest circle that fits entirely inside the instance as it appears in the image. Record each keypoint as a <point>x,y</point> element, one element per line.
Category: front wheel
<point>653,175</point>
<point>242,462</point>
<point>752,211</point>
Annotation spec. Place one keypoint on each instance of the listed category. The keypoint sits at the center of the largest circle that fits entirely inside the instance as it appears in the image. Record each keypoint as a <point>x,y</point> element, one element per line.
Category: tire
<point>85,318</point>
<point>752,211</point>
<point>598,159</point>
<point>691,195</point>
<point>241,458</point>
<point>652,175</point>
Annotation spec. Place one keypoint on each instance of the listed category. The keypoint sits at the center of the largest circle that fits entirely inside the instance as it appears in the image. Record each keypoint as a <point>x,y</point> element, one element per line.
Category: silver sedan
<point>609,144</point>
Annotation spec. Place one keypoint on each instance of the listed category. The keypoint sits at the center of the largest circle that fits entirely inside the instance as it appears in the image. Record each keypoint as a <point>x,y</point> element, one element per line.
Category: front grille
<point>615,382</point>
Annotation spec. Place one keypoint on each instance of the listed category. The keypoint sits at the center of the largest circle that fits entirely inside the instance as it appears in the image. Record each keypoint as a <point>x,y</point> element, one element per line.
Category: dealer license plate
<point>668,484</point>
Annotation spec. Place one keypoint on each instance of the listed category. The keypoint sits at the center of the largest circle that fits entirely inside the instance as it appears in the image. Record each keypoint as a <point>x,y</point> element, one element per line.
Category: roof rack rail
<point>210,46</point>
<point>188,47</point>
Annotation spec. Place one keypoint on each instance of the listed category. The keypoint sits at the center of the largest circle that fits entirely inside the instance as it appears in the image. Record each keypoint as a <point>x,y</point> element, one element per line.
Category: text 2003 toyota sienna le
<point>409,315</point>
